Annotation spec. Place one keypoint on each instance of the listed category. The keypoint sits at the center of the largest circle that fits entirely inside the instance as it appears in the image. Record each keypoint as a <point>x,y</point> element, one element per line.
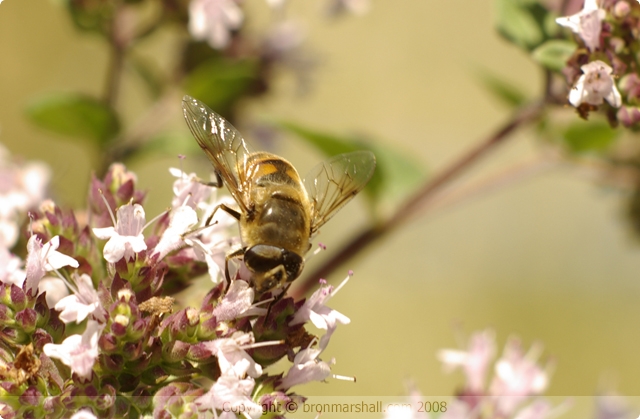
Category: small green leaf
<point>75,115</point>
<point>554,54</point>
<point>92,15</point>
<point>518,21</point>
<point>506,92</point>
<point>218,83</point>
<point>582,136</point>
<point>328,144</point>
<point>400,175</point>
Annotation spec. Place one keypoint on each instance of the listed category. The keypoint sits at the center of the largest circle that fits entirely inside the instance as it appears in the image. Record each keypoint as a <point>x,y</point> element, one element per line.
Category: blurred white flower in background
<point>213,21</point>
<point>22,187</point>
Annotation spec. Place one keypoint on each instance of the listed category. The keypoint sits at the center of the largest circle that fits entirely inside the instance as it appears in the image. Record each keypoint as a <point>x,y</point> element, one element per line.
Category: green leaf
<point>75,115</point>
<point>523,22</point>
<point>91,15</point>
<point>328,144</point>
<point>399,175</point>
<point>218,83</point>
<point>517,24</point>
<point>554,54</point>
<point>506,92</point>
<point>582,136</point>
<point>396,173</point>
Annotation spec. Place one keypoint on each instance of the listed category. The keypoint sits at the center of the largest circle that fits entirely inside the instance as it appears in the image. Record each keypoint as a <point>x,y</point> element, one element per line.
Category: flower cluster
<point>603,70</point>
<point>215,21</point>
<point>512,393</point>
<point>516,382</point>
<point>88,326</point>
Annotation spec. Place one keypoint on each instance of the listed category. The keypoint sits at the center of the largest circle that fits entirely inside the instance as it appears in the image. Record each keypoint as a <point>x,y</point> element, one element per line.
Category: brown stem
<point>417,203</point>
<point>117,47</point>
<point>116,64</point>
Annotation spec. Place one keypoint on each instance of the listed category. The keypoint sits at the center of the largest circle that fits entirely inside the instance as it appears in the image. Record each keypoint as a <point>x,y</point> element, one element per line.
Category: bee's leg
<point>218,183</point>
<point>231,255</point>
<point>235,214</point>
<point>276,299</point>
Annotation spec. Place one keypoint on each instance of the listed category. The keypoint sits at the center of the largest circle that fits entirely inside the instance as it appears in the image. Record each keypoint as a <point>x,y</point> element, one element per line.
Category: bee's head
<point>272,267</point>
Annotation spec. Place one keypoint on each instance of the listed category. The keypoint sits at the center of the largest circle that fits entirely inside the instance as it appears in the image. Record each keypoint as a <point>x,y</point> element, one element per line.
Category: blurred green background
<point>548,259</point>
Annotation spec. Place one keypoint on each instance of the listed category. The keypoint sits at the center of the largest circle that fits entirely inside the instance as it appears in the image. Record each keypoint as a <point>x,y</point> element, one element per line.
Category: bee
<point>279,211</point>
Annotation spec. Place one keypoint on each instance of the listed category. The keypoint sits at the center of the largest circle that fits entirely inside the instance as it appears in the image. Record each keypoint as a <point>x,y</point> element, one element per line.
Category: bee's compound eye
<point>263,258</point>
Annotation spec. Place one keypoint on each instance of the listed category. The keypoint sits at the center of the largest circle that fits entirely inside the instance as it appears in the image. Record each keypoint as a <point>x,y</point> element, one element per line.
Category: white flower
<point>85,301</point>
<point>44,258</point>
<point>275,4</point>
<point>237,303</point>
<point>213,20</point>
<point>475,361</point>
<point>517,377</point>
<point>213,240</point>
<point>83,414</point>
<point>10,268</point>
<point>306,368</point>
<point>595,85</point>
<point>188,189</point>
<point>79,352</point>
<point>126,238</point>
<point>55,288</point>
<point>21,187</point>
<point>182,220</point>
<point>587,23</point>
<point>232,358</point>
<point>203,253</point>
<point>413,410</point>
<point>230,393</point>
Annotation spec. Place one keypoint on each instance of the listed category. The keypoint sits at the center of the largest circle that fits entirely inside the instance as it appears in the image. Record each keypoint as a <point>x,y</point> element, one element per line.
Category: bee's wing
<point>222,143</point>
<point>333,183</point>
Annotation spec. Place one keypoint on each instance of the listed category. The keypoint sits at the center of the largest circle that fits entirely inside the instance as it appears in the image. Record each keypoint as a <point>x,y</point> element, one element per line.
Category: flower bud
<point>26,319</point>
<point>175,351</point>
<point>621,9</point>
<point>629,115</point>
<point>31,397</point>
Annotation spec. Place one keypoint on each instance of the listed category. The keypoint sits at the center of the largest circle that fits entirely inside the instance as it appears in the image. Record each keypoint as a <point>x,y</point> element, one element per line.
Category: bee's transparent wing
<point>333,183</point>
<point>222,143</point>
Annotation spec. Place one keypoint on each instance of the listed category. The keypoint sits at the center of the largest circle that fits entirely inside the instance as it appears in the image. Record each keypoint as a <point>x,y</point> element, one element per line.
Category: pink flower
<point>306,367</point>
<point>517,377</point>
<point>232,358</point>
<point>44,258</point>
<point>321,316</point>
<point>188,189</point>
<point>474,361</point>
<point>238,302</point>
<point>125,239</point>
<point>231,393</point>
<point>183,219</point>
